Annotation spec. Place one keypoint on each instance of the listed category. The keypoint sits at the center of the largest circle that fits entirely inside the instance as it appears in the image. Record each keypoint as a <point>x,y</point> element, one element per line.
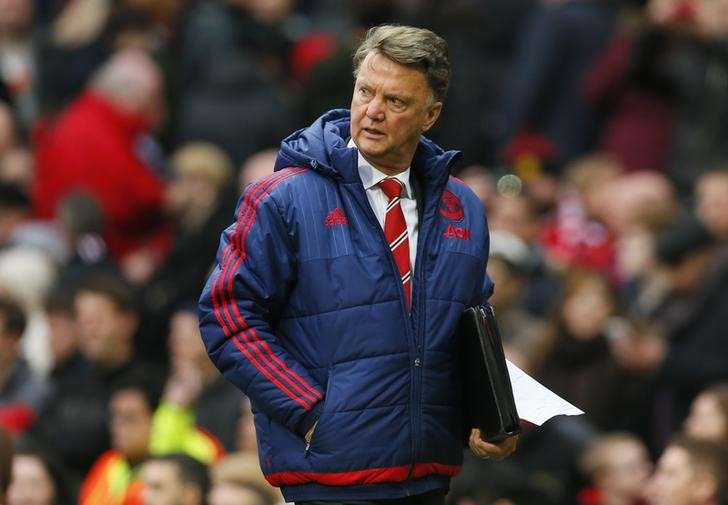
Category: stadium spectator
<point>690,472</point>
<point>93,146</point>
<point>74,422</point>
<point>217,402</point>
<point>617,466</point>
<point>36,480</point>
<point>256,166</point>
<point>140,428</point>
<point>199,200</point>
<point>175,479</point>
<point>237,480</point>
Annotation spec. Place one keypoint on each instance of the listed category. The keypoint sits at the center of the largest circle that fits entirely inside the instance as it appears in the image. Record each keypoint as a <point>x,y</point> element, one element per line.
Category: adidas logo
<point>336,217</point>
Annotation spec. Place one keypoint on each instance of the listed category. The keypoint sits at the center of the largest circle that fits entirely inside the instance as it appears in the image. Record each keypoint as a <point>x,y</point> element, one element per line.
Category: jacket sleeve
<point>248,287</point>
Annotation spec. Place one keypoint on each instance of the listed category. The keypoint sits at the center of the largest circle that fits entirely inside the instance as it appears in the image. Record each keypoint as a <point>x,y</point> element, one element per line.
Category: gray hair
<point>410,46</point>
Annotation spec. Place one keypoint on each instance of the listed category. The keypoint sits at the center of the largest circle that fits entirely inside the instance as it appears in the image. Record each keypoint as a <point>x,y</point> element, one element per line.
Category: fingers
<point>498,450</point>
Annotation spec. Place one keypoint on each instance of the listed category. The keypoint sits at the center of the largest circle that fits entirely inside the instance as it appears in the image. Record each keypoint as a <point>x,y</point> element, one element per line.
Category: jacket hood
<point>322,147</point>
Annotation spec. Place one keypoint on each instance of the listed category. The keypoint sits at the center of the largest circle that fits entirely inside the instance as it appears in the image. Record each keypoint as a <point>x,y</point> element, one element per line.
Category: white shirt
<point>370,178</point>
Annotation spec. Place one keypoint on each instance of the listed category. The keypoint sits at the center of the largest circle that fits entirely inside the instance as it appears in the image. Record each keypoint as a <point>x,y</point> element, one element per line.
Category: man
<point>338,289</point>
<point>214,400</point>
<point>74,421</point>
<point>94,145</point>
<point>617,466</point>
<point>690,472</point>
<point>140,428</point>
<point>175,479</point>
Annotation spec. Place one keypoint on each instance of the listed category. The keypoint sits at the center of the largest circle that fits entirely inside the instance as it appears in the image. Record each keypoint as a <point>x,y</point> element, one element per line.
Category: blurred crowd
<point>594,131</point>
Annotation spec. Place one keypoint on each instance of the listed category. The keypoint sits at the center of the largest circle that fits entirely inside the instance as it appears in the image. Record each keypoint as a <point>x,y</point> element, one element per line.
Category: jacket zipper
<point>415,359</point>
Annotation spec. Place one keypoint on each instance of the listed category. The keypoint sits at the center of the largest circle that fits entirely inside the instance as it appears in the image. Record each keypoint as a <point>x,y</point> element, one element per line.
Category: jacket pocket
<point>320,423</point>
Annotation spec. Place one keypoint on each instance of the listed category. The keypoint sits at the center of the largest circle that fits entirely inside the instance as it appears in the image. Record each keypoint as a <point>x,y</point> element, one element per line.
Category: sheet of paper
<point>535,402</point>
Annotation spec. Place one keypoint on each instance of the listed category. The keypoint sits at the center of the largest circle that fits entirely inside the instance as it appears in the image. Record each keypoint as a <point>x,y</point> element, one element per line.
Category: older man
<point>339,286</point>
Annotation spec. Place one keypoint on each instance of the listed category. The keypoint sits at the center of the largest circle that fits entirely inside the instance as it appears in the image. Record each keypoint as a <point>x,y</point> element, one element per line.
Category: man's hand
<point>483,449</point>
<point>309,435</point>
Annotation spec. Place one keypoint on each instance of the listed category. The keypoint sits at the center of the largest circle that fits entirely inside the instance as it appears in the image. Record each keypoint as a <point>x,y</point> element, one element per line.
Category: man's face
<point>102,326</point>
<point>627,471</point>
<point>163,486</point>
<point>674,480</point>
<point>391,107</point>
<point>131,424</point>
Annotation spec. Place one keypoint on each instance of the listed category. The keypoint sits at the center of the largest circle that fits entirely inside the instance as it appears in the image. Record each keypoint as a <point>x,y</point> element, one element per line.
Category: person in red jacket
<point>92,148</point>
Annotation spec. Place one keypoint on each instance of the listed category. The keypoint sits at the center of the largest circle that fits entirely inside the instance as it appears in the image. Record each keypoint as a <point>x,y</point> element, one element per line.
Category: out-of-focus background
<point>595,132</point>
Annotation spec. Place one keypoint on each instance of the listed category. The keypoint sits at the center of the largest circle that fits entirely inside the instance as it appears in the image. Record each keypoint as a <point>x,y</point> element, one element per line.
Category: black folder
<point>487,394</point>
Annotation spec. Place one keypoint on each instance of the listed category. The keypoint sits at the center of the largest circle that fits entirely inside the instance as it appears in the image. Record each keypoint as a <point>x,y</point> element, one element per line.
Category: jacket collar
<point>323,147</point>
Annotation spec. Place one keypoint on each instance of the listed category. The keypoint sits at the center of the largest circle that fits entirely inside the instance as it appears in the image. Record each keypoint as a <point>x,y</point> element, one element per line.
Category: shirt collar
<point>371,176</point>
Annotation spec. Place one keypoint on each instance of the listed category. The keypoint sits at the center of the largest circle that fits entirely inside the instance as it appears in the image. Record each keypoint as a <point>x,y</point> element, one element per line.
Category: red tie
<point>395,230</point>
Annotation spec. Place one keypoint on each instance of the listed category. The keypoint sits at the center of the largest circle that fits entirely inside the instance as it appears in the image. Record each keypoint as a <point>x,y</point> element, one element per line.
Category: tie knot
<point>392,187</point>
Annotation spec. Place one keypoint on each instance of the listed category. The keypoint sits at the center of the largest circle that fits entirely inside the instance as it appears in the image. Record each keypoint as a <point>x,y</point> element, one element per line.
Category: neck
<point>391,170</point>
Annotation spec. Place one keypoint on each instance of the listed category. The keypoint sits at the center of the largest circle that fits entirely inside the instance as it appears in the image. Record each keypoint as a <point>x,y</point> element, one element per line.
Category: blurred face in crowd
<point>228,493</point>
<point>185,342</point>
<point>627,468</point>
<point>515,215</point>
<point>677,481</point>
<point>391,107</point>
<point>15,15</point>
<point>586,308</point>
<point>31,484</point>
<point>105,330</point>
<point>131,424</point>
<point>163,485</point>
<point>707,420</point>
<point>712,203</point>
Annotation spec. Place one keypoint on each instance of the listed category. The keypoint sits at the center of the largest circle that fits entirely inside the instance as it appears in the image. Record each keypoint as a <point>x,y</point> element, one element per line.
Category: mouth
<point>373,132</point>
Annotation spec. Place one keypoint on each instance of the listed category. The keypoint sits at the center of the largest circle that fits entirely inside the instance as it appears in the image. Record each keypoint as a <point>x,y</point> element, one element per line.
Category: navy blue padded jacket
<point>306,314</point>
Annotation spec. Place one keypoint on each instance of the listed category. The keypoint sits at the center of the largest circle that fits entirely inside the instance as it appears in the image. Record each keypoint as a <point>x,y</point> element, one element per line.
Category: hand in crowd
<point>641,353</point>
<point>184,385</point>
<point>496,450</point>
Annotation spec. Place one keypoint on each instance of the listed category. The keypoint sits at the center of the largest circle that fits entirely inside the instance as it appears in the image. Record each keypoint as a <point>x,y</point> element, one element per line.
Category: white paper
<point>535,402</point>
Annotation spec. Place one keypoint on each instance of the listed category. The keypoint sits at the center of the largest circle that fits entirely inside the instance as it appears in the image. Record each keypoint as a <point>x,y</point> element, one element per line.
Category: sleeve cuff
<point>309,419</point>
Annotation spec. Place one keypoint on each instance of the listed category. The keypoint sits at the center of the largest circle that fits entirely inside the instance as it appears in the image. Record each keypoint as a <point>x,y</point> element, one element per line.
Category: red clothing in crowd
<point>92,148</point>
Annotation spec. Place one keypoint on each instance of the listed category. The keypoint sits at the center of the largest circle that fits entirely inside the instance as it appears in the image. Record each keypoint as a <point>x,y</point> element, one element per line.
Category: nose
<point>375,109</point>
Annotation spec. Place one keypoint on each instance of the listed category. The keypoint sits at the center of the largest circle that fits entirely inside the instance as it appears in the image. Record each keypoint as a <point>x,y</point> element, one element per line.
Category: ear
<point>432,114</point>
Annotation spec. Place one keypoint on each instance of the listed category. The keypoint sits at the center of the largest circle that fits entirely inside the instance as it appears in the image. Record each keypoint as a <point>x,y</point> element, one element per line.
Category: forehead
<point>381,71</point>
<point>160,470</point>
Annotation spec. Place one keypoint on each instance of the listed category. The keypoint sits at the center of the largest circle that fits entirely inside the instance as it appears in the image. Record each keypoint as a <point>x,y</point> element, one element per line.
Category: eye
<point>364,92</point>
<point>396,103</point>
